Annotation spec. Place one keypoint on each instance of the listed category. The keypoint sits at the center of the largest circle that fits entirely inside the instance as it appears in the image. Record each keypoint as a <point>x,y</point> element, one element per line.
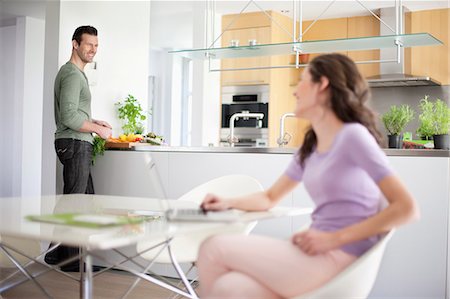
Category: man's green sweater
<point>72,103</point>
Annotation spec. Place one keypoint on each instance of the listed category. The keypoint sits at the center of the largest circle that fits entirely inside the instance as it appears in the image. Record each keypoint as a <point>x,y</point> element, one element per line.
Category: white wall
<point>48,160</point>
<point>7,75</point>
<point>21,77</point>
<point>206,86</point>
<point>123,53</point>
<point>29,93</point>
<point>171,24</point>
<point>181,25</point>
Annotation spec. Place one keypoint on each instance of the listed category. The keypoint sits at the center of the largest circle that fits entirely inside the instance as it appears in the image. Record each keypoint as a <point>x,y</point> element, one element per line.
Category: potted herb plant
<point>132,114</point>
<point>426,130</point>
<point>441,125</point>
<point>395,121</point>
<point>434,121</point>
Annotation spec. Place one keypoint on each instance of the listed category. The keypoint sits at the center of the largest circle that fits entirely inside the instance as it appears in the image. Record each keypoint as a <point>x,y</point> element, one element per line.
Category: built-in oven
<point>251,130</point>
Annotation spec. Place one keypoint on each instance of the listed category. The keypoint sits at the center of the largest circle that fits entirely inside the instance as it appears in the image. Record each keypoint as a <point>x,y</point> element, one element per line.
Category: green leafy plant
<point>434,118</point>
<point>132,114</point>
<point>441,118</point>
<point>425,129</point>
<point>396,119</point>
<point>98,148</point>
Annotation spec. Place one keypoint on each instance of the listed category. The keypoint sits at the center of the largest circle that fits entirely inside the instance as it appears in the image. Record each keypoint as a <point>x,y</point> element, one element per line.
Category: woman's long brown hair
<point>349,94</point>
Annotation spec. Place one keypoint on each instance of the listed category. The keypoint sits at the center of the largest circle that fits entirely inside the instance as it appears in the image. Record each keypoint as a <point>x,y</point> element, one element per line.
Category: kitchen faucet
<point>285,137</point>
<point>246,115</point>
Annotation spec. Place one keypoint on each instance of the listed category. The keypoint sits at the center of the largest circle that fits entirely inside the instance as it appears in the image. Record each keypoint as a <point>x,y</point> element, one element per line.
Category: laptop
<point>196,214</point>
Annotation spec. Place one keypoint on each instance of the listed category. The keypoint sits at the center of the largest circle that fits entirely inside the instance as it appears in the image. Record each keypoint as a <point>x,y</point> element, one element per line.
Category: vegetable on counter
<point>154,139</point>
<point>98,148</point>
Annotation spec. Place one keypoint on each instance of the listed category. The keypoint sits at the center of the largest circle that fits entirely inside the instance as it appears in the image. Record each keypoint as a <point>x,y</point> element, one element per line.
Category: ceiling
<point>174,18</point>
<point>10,9</point>
<point>311,8</point>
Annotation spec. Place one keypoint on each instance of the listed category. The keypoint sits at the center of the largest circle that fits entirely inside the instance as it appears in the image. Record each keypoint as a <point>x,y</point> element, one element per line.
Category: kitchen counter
<point>279,150</point>
<point>169,172</point>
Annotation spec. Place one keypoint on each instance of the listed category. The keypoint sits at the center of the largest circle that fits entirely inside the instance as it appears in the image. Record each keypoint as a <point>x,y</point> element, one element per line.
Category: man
<point>74,126</point>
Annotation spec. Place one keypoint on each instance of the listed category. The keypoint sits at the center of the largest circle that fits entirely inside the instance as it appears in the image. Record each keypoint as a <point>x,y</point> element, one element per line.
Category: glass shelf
<point>316,46</point>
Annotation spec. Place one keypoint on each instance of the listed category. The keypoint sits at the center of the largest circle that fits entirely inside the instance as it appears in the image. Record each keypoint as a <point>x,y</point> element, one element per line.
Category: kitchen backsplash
<point>383,98</point>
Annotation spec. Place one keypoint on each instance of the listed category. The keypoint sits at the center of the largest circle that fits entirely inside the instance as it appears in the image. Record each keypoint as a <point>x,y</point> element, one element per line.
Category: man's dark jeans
<point>76,157</point>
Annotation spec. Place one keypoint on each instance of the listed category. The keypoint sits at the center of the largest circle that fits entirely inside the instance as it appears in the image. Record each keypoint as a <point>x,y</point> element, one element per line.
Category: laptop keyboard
<point>201,215</point>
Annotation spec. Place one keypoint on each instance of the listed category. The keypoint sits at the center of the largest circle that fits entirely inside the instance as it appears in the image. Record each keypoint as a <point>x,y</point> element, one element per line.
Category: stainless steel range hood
<point>392,74</point>
<point>399,80</point>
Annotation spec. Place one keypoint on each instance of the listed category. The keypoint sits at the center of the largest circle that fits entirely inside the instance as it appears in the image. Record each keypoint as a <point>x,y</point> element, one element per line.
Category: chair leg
<point>194,283</point>
<point>145,270</point>
<point>181,274</point>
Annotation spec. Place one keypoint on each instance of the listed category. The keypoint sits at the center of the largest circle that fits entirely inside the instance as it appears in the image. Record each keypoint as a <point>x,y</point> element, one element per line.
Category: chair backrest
<point>186,247</point>
<point>226,186</point>
<point>357,280</point>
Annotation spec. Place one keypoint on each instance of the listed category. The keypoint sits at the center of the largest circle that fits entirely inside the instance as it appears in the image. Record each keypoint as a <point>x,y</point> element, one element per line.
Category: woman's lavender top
<point>343,182</point>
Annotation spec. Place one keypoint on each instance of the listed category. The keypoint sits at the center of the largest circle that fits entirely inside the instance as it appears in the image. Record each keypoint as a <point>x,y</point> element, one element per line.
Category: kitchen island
<point>416,261</point>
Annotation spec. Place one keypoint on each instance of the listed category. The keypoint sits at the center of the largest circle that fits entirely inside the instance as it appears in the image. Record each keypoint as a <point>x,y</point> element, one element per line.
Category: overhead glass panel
<point>316,46</point>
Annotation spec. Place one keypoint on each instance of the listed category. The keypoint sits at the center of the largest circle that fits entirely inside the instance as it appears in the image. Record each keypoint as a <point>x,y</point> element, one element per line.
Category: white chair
<point>357,280</point>
<point>185,248</point>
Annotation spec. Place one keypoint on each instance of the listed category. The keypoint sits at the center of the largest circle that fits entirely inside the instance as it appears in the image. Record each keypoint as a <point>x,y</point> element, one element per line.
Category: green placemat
<point>422,141</point>
<point>86,220</point>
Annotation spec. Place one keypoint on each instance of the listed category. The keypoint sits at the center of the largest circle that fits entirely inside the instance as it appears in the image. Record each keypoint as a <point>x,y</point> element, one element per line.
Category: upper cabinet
<point>360,27</point>
<point>429,61</point>
<point>432,61</point>
<point>260,35</point>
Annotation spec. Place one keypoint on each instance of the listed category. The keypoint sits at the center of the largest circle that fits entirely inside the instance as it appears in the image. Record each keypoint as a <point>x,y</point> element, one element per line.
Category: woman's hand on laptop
<point>213,202</point>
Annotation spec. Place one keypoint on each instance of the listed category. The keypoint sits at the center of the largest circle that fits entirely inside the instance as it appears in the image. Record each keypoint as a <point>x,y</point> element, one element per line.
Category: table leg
<point>86,275</point>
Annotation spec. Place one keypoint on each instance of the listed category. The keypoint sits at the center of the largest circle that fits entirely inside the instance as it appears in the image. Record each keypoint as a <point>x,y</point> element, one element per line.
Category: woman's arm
<point>402,209</point>
<point>260,201</point>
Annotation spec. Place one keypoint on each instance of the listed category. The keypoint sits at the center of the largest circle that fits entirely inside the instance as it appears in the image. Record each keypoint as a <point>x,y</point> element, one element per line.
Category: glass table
<point>91,241</point>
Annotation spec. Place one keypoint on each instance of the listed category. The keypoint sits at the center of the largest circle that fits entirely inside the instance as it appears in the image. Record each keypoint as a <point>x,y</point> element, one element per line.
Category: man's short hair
<point>81,30</point>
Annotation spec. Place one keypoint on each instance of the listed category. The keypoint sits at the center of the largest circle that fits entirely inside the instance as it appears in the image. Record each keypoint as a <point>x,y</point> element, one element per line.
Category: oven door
<point>229,109</point>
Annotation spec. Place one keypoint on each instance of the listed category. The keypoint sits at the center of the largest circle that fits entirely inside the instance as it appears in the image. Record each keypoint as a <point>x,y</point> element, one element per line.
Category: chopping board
<point>119,145</point>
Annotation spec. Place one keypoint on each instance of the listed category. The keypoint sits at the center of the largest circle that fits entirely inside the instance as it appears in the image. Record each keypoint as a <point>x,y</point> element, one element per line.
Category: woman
<point>344,171</point>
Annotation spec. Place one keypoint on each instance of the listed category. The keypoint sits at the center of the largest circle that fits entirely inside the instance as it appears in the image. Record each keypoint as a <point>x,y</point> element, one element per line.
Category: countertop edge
<point>276,150</point>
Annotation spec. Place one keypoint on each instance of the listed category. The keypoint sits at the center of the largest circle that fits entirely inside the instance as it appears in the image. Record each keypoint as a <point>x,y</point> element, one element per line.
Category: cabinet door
<point>324,29</point>
<point>430,61</point>
<point>360,27</point>
<point>246,77</point>
<point>415,261</point>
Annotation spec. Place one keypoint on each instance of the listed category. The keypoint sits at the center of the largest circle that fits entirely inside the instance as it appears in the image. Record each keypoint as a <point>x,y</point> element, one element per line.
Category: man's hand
<point>314,242</point>
<point>102,123</point>
<point>103,131</point>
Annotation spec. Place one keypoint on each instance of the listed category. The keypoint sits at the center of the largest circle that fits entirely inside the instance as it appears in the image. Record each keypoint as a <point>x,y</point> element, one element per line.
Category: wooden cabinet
<point>321,30</point>
<point>430,61</point>
<point>360,27</point>
<point>246,77</point>
<point>325,29</point>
